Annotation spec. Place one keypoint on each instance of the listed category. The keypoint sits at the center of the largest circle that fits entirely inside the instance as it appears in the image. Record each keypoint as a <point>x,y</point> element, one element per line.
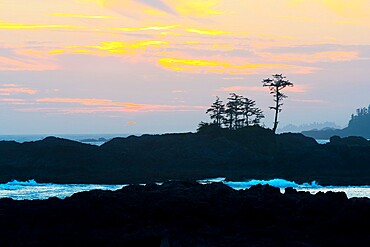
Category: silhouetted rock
<point>182,213</point>
<point>247,153</point>
<point>351,141</point>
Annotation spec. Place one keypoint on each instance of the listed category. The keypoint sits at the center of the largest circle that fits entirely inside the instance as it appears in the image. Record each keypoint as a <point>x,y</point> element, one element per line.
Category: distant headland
<point>359,125</point>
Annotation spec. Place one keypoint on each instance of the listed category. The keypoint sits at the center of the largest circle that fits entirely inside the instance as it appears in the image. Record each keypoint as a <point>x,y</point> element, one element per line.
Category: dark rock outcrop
<point>248,153</point>
<point>187,214</point>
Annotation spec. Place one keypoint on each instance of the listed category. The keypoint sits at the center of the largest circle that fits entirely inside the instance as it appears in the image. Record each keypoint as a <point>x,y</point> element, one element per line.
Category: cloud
<point>222,67</point>
<point>105,105</point>
<point>295,89</point>
<point>18,26</point>
<point>206,32</point>
<point>233,78</point>
<point>325,56</point>
<point>16,90</point>
<point>8,64</point>
<point>150,28</point>
<point>198,8</point>
<point>13,59</point>
<point>319,101</point>
<point>12,101</point>
<point>81,16</point>
<point>348,9</point>
<point>158,4</point>
<point>155,4</point>
<point>115,47</point>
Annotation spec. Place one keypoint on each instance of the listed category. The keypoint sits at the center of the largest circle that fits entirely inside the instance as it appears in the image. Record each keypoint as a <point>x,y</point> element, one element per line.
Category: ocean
<point>31,190</point>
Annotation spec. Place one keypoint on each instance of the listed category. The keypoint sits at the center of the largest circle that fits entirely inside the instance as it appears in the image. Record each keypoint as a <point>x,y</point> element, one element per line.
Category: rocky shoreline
<point>248,153</point>
<point>180,213</point>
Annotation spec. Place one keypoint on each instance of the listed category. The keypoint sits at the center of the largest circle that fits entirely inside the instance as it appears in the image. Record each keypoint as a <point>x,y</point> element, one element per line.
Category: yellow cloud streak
<point>16,26</point>
<point>151,28</point>
<point>206,32</point>
<point>115,47</point>
<point>81,16</point>
<point>220,67</point>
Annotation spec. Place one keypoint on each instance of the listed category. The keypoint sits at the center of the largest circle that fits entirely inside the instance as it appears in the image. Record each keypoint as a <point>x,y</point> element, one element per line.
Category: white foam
<point>31,190</point>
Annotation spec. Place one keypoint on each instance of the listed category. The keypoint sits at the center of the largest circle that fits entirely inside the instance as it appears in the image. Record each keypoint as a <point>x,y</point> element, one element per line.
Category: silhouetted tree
<point>217,112</point>
<point>276,84</point>
<point>258,116</point>
<point>238,112</point>
<point>252,115</point>
<point>233,111</point>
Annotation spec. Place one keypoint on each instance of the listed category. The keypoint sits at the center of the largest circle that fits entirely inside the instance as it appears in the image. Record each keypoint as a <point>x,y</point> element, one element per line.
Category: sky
<point>155,66</point>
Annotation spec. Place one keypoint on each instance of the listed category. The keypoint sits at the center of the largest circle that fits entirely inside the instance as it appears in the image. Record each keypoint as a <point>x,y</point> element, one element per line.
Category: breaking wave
<point>31,190</point>
<point>312,187</point>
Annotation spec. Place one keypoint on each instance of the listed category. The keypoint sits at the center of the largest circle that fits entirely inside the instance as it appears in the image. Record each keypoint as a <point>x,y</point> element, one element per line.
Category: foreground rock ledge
<point>187,214</point>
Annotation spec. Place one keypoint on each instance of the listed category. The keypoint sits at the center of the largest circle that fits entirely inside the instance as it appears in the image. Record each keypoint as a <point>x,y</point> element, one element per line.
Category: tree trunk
<point>276,111</point>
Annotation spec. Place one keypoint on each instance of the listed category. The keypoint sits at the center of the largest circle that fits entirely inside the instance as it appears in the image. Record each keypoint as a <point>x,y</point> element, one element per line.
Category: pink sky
<point>154,66</point>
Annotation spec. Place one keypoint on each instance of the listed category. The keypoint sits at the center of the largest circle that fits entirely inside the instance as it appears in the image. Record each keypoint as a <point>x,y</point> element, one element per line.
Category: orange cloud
<point>11,101</point>
<point>104,105</point>
<point>10,64</point>
<point>12,90</point>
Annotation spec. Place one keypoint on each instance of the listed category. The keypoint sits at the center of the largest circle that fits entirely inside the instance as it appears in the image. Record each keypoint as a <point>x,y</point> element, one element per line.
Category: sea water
<point>282,184</point>
<point>31,190</point>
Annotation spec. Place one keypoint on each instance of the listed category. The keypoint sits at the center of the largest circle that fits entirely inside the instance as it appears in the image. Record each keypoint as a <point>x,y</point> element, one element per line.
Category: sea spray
<point>31,190</point>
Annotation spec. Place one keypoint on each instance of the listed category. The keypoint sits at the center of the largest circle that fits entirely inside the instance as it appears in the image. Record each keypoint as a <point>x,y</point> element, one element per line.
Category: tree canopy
<point>238,112</point>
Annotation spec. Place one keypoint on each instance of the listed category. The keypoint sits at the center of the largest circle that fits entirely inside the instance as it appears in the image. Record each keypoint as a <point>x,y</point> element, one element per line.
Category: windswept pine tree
<point>276,85</point>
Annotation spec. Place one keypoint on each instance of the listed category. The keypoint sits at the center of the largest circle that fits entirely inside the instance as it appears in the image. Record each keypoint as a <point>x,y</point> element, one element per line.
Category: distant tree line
<point>362,117</point>
<point>241,112</point>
